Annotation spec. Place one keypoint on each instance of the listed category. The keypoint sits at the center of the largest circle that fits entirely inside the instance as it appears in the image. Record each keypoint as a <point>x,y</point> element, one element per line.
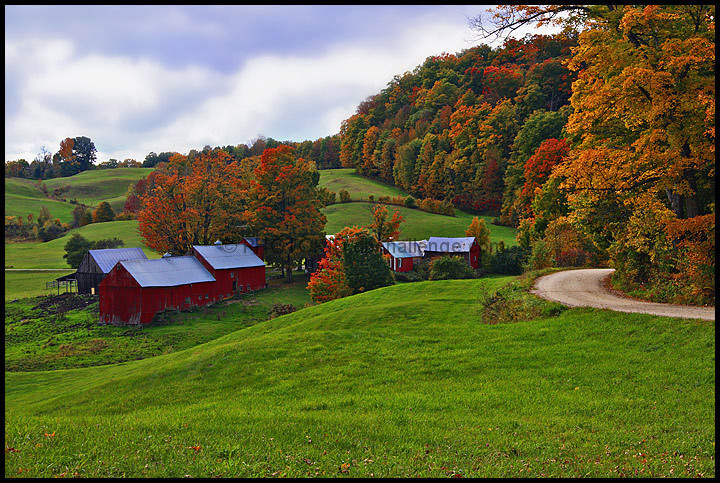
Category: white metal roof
<point>449,245</point>
<point>106,258</point>
<point>229,256</point>
<point>405,249</point>
<point>168,271</point>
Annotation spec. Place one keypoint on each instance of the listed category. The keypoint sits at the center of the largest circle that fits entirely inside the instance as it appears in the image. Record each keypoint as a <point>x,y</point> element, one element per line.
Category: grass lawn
<point>409,380</point>
<point>19,205</point>
<point>50,254</point>
<point>418,225</point>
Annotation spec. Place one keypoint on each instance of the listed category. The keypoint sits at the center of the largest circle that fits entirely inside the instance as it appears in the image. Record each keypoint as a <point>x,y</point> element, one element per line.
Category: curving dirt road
<point>587,288</point>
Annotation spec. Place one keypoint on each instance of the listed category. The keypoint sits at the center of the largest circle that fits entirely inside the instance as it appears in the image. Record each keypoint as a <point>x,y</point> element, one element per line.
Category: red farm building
<point>466,247</point>
<point>257,245</point>
<point>235,267</point>
<point>96,264</point>
<point>135,290</point>
<point>404,254</point>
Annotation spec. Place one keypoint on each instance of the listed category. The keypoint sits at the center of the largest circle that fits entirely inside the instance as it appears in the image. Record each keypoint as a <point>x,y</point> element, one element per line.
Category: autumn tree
<point>364,265</point>
<point>480,232</point>
<point>284,208</point>
<point>103,212</point>
<point>384,229</point>
<point>193,203</point>
<point>328,282</point>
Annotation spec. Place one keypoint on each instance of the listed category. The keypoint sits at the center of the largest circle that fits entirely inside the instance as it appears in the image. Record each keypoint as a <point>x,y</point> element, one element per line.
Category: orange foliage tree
<point>284,208</point>
<point>193,203</point>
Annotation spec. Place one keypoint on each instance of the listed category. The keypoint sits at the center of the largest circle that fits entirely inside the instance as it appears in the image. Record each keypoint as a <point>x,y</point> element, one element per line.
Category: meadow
<point>410,380</point>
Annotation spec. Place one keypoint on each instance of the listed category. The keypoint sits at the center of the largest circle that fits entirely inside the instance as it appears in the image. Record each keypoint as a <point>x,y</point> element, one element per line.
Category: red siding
<point>474,255</point>
<point>223,288</point>
<point>123,301</point>
<point>258,250</point>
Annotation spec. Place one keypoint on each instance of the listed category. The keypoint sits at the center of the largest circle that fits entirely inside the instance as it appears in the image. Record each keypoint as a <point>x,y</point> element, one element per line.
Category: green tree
<point>75,249</point>
<point>364,265</point>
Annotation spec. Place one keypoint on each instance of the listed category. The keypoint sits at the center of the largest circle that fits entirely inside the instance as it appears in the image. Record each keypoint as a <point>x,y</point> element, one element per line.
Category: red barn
<point>135,290</point>
<point>404,254</point>
<point>235,267</point>
<point>466,247</point>
<point>256,245</point>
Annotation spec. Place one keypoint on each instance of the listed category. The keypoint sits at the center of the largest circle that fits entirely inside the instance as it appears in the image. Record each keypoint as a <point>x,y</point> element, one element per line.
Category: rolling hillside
<point>418,224</point>
<point>409,380</point>
<point>23,196</point>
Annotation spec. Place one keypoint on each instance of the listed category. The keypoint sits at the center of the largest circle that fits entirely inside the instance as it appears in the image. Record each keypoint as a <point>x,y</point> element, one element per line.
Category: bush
<point>411,276</point>
<point>448,267</point>
<point>344,196</point>
<point>541,257</point>
<point>510,261</point>
<point>49,231</point>
<point>279,309</point>
<point>410,202</point>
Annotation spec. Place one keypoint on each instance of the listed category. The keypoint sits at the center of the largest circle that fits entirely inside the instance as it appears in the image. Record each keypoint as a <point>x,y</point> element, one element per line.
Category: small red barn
<point>403,254</point>
<point>257,245</point>
<point>466,247</point>
<point>135,290</point>
<point>235,267</point>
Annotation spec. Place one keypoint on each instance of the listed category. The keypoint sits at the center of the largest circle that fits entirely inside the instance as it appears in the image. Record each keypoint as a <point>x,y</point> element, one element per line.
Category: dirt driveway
<point>588,288</point>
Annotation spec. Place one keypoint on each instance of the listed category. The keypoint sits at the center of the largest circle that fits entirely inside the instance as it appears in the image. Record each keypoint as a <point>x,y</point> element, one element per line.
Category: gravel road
<point>587,288</point>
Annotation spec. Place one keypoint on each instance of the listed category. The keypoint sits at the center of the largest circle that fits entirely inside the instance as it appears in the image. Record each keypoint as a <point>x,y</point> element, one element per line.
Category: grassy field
<point>358,187</point>
<point>25,284</point>
<point>418,225</point>
<point>93,187</point>
<point>41,335</point>
<point>23,196</point>
<point>50,254</point>
<point>408,380</point>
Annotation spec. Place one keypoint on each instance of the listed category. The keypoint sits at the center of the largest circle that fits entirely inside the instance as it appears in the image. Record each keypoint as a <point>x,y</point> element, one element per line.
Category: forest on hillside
<point>597,143</point>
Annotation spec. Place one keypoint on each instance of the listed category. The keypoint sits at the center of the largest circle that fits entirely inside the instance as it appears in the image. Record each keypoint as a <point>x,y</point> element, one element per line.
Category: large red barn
<point>257,245</point>
<point>135,290</point>
<point>235,267</point>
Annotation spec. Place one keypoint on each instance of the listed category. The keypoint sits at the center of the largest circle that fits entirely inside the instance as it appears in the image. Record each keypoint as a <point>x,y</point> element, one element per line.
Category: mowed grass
<point>417,225</point>
<point>405,380</point>
<point>50,254</point>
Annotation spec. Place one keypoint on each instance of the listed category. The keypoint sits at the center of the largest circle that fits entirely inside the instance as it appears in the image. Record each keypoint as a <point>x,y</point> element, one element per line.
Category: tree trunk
<point>288,274</point>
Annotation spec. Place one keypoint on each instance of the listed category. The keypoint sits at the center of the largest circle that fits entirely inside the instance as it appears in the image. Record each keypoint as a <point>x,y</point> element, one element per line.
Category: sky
<point>138,79</point>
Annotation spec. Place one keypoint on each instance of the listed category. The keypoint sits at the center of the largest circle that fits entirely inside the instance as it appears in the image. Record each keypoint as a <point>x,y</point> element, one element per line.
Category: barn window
<point>248,287</point>
<point>232,274</point>
<point>207,296</point>
<point>187,300</point>
<point>234,285</point>
<point>399,262</point>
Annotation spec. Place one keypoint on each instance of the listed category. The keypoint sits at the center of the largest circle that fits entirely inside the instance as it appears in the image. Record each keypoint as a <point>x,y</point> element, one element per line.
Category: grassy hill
<point>38,255</point>
<point>408,380</point>
<point>418,224</point>
<point>23,196</point>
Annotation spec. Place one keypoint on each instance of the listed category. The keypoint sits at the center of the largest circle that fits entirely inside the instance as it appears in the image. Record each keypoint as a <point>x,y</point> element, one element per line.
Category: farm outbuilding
<point>235,267</point>
<point>466,247</point>
<point>135,290</point>
<point>404,254</point>
<point>257,245</point>
<point>96,264</point>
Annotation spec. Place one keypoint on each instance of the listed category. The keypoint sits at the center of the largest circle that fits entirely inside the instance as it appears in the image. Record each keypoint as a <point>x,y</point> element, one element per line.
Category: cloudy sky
<point>136,79</point>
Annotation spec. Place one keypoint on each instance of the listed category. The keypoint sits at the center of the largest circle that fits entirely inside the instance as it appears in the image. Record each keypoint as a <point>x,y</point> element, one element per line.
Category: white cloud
<point>131,106</point>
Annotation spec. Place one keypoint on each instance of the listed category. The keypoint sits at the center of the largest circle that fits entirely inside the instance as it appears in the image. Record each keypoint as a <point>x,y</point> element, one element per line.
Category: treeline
<point>598,144</point>
<point>79,154</point>
<point>460,127</point>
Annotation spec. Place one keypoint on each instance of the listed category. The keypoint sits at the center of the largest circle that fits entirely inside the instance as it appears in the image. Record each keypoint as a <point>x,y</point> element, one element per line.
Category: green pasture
<point>50,254</point>
<point>31,283</point>
<point>39,339</point>
<point>93,187</point>
<point>358,187</point>
<point>19,205</point>
<point>417,225</point>
<point>404,381</point>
